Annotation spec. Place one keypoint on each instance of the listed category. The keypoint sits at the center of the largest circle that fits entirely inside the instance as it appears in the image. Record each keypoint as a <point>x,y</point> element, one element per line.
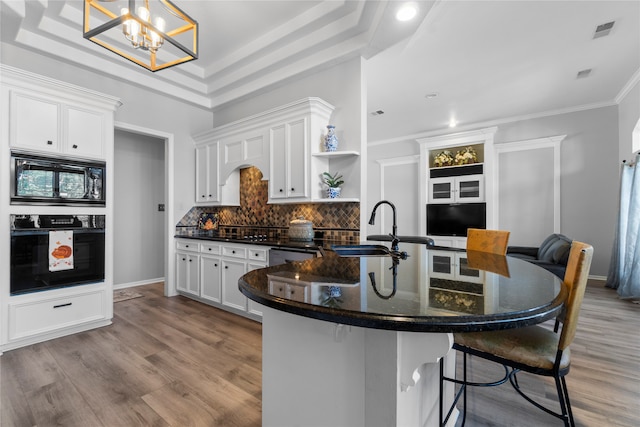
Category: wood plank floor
<point>176,362</point>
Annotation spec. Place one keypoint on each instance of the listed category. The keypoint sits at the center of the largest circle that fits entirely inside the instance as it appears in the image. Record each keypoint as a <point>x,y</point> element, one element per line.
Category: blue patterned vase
<point>330,140</point>
<point>333,192</point>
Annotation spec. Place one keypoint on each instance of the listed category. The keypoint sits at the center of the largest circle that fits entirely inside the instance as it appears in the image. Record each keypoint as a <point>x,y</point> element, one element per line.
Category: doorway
<point>140,237</point>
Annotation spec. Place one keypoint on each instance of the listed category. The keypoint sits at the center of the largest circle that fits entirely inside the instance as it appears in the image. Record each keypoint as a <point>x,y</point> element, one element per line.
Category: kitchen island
<point>355,341</point>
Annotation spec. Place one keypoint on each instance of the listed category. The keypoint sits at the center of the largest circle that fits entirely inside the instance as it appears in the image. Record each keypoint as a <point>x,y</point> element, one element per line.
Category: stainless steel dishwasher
<point>281,256</point>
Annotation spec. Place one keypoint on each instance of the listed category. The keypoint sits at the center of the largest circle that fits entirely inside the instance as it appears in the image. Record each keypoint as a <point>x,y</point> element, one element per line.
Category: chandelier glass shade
<point>154,34</point>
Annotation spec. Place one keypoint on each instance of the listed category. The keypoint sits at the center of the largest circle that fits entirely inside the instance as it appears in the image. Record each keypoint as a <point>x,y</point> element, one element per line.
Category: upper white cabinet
<point>52,117</point>
<point>285,143</point>
<point>289,152</point>
<point>207,173</point>
<point>457,189</point>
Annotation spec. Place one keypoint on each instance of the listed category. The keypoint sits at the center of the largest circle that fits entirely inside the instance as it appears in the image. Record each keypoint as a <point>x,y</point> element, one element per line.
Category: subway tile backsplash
<point>335,221</point>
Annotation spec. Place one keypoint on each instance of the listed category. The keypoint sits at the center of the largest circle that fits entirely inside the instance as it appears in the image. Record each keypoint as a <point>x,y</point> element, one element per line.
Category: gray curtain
<point>624,270</point>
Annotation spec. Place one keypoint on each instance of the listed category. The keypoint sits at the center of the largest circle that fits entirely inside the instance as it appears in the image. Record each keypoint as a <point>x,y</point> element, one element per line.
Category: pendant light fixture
<point>154,34</point>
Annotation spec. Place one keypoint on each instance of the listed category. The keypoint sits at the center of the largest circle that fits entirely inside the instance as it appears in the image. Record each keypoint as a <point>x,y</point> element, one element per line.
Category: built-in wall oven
<point>55,251</point>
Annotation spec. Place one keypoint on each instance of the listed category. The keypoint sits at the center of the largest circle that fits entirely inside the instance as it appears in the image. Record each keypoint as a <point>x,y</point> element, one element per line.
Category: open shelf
<point>336,154</point>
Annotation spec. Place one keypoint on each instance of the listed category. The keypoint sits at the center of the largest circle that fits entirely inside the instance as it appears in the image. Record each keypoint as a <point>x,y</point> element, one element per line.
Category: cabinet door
<point>297,159</point>
<point>84,133</point>
<point>231,295</point>
<point>207,189</point>
<point>469,188</point>
<point>277,183</point>
<point>210,278</point>
<point>187,266</point>
<point>252,306</point>
<point>35,123</point>
<point>441,190</point>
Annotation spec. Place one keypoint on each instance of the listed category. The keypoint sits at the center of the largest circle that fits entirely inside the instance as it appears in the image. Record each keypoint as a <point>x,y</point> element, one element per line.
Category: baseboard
<point>140,283</point>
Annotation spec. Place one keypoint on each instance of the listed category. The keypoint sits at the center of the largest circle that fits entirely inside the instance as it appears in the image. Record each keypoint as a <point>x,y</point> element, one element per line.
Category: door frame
<point>169,222</point>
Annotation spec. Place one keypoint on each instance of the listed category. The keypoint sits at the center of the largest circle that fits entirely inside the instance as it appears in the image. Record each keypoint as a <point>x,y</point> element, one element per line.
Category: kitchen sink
<point>360,250</point>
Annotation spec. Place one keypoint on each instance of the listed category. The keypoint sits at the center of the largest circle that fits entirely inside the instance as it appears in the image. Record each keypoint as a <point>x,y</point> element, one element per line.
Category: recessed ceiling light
<point>407,12</point>
<point>453,123</point>
<point>431,95</point>
<point>377,112</point>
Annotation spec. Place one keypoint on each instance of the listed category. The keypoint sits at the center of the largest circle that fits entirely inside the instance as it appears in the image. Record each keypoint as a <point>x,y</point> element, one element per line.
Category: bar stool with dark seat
<point>534,349</point>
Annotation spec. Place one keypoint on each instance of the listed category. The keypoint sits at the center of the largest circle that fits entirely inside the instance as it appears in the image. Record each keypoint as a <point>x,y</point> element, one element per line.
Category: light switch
<point>161,207</point>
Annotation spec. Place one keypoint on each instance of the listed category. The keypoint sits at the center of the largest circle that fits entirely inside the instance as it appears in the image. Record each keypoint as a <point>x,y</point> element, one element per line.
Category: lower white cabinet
<point>210,278</point>
<point>41,316</point>
<point>187,267</point>
<point>209,272</point>
<point>232,270</point>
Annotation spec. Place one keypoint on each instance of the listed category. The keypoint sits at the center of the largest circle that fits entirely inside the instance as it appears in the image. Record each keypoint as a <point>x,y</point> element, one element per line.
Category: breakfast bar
<point>354,338</point>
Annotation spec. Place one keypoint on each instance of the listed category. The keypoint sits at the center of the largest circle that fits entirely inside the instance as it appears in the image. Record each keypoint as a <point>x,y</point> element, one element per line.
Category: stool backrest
<point>575,279</point>
<point>493,241</point>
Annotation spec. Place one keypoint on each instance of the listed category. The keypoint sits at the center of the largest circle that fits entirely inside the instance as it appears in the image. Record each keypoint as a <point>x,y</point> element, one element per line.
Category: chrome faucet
<point>394,230</point>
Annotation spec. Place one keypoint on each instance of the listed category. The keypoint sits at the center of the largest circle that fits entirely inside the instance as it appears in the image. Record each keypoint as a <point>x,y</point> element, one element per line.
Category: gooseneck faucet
<point>394,230</point>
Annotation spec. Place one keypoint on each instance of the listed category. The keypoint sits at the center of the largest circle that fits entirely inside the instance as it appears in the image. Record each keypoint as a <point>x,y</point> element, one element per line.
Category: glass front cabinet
<point>457,189</point>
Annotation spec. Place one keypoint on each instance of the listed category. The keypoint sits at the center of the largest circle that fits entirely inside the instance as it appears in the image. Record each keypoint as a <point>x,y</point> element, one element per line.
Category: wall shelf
<point>336,154</point>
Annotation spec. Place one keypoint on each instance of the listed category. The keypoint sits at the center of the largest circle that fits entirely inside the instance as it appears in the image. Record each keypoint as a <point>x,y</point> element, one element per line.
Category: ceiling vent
<point>377,113</point>
<point>603,29</point>
<point>583,73</point>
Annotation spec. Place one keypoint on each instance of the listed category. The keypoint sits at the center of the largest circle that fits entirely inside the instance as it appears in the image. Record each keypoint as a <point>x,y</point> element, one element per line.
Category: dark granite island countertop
<point>346,342</point>
<point>435,291</point>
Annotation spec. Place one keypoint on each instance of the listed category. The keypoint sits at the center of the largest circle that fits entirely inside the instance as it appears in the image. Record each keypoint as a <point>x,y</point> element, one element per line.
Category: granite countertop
<point>280,243</point>
<point>411,294</point>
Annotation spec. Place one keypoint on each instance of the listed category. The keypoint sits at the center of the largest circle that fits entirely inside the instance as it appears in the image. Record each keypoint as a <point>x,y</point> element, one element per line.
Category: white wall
<point>139,233</point>
<point>590,170</point>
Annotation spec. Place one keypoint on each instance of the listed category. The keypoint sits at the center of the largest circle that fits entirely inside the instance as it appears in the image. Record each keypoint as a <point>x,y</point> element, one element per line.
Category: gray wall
<point>139,233</point>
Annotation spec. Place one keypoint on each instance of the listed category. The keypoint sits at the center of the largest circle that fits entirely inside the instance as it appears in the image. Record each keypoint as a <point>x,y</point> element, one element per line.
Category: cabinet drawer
<point>187,245</point>
<point>234,252</point>
<point>257,255</point>
<point>32,318</point>
<point>210,248</point>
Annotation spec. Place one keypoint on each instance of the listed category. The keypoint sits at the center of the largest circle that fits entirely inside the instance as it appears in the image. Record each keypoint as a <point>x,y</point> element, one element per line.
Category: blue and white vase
<point>330,140</point>
<point>333,192</point>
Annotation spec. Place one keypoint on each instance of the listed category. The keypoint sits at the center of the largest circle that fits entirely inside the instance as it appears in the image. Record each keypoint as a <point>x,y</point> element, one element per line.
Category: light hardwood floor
<point>176,362</point>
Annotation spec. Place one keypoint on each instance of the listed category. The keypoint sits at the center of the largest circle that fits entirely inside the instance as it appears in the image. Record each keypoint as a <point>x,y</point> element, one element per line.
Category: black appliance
<point>454,219</point>
<point>42,180</point>
<point>30,267</point>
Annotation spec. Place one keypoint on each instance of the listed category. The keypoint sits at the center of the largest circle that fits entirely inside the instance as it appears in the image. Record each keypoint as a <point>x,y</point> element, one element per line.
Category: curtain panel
<point>624,270</point>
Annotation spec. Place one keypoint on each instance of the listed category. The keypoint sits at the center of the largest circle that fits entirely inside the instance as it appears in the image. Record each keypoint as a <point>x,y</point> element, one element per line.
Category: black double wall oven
<point>56,251</point>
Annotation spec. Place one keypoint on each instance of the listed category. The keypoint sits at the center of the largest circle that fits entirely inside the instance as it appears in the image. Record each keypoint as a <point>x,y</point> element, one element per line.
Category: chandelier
<point>154,34</point>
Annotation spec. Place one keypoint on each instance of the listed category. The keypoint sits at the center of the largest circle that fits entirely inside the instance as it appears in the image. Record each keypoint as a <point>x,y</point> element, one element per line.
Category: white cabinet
<point>187,269</point>
<point>285,144</point>
<point>207,173</point>
<point>209,271</point>
<point>289,159</point>
<point>457,189</point>
<point>27,319</point>
<point>47,124</point>
<point>232,270</point>
<point>210,278</point>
